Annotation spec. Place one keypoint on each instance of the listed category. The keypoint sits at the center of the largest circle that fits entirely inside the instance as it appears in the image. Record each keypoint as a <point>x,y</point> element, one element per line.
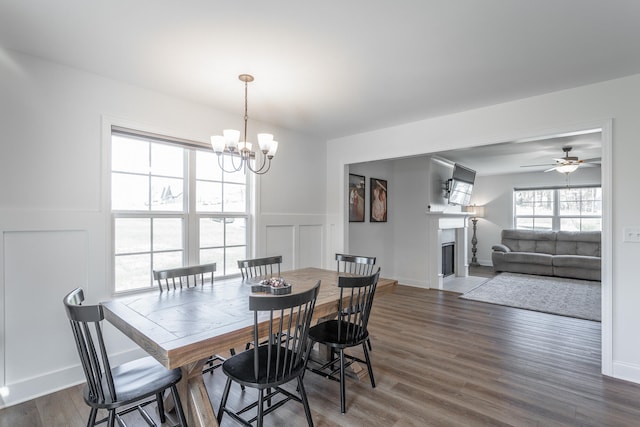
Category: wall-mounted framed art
<point>356,197</point>
<point>378,200</point>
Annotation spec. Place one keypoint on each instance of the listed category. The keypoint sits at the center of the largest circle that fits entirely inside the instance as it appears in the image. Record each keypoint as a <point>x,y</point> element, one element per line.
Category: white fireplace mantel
<point>436,222</point>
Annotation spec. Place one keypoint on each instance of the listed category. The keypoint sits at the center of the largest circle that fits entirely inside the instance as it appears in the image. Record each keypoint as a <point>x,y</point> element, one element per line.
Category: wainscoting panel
<point>280,241</point>
<point>310,246</point>
<point>39,268</point>
<point>300,239</point>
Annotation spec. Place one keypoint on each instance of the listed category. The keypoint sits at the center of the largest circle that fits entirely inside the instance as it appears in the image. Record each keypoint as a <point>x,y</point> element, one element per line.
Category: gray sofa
<point>574,254</point>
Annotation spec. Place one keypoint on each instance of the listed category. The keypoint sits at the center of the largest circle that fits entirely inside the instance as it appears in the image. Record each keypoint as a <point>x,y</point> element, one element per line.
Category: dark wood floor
<point>440,361</point>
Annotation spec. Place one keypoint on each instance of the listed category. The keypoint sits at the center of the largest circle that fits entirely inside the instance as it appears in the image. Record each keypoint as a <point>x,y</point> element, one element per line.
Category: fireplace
<point>448,258</point>
<point>446,246</point>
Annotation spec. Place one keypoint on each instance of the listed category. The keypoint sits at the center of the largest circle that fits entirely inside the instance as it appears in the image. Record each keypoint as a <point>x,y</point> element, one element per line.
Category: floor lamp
<point>476,212</point>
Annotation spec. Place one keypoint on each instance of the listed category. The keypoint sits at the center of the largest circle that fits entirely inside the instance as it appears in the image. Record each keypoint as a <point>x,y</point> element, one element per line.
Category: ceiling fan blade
<point>552,169</point>
<point>590,165</point>
<point>532,166</point>
<point>594,160</point>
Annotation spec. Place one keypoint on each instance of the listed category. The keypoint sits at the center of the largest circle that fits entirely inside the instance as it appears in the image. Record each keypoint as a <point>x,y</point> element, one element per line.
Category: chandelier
<point>229,143</point>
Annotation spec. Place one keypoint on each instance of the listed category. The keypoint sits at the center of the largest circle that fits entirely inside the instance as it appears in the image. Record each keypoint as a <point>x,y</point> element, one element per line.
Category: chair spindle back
<point>184,277</point>
<point>258,267</point>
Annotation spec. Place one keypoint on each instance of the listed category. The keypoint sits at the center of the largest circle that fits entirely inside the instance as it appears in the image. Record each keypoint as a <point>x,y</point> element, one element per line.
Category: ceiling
<point>335,68</point>
<point>528,156</point>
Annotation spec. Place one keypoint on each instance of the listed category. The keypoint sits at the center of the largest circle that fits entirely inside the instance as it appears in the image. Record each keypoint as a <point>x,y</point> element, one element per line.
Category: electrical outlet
<point>632,234</point>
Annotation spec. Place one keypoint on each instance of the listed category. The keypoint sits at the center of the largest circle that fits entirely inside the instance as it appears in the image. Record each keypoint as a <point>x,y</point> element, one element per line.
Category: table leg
<point>195,398</point>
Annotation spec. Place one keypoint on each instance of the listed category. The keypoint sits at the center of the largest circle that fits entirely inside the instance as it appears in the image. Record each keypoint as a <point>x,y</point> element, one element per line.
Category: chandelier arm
<point>234,169</point>
<point>260,170</point>
<point>262,165</point>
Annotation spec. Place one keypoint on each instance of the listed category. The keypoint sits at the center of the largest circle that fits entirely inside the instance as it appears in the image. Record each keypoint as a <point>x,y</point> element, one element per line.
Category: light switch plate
<point>632,234</point>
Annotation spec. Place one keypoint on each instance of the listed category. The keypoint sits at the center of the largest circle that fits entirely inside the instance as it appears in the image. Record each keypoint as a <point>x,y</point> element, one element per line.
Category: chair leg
<point>112,418</point>
<point>369,344</point>
<point>260,408</point>
<point>305,402</point>
<point>92,417</point>
<point>178,405</point>
<point>160,403</point>
<point>342,385</point>
<point>369,368</point>
<point>223,402</point>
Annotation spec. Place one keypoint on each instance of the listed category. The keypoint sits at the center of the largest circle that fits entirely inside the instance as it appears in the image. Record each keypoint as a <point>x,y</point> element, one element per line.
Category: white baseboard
<point>412,282</point>
<point>626,371</point>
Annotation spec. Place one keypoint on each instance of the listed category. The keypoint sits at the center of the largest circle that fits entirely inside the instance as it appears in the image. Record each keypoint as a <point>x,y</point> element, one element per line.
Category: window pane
<point>207,166</point>
<point>167,160</point>
<point>208,256</point>
<point>132,235</point>
<point>237,177</point>
<point>233,256</point>
<point>234,198</point>
<point>132,271</point>
<point>129,192</point>
<point>208,196</point>
<point>592,207</point>
<point>211,232</point>
<point>236,231</point>
<point>164,260</point>
<point>543,207</point>
<point>167,234</point>
<point>570,224</point>
<point>543,223</point>
<point>591,224</point>
<point>570,208</point>
<point>129,155</point>
<point>524,223</point>
<point>166,194</point>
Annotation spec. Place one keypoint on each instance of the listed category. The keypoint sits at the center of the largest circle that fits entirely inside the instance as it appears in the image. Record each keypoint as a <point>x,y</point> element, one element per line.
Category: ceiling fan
<point>568,164</point>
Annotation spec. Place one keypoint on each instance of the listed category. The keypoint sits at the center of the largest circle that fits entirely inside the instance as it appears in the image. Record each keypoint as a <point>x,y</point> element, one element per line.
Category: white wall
<point>54,223</point>
<point>375,238</point>
<point>580,108</point>
<point>495,193</point>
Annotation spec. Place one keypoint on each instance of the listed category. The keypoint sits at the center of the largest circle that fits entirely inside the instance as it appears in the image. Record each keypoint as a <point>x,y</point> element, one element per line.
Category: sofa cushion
<point>586,243</point>
<point>528,258</point>
<point>530,241</point>
<point>577,261</point>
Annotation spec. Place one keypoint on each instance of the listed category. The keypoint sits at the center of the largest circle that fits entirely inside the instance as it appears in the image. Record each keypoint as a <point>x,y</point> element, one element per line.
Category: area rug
<point>556,295</point>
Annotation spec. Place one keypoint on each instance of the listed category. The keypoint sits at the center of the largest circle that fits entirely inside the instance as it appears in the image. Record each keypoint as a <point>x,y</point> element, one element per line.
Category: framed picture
<point>356,198</point>
<point>378,200</point>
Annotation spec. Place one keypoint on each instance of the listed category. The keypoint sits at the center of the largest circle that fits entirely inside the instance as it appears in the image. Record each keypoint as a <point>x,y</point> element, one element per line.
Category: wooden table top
<point>185,326</point>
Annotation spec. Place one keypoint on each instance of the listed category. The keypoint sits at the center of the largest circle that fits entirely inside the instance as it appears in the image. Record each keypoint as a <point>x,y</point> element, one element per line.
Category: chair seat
<point>240,367</point>
<point>135,380</point>
<point>337,334</point>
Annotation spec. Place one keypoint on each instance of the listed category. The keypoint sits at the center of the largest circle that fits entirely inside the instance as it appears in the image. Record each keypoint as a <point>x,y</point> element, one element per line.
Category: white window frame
<point>191,218</point>
<point>555,216</point>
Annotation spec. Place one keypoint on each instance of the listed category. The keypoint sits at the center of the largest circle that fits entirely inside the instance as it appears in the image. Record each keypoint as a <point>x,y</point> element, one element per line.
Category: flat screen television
<point>460,186</point>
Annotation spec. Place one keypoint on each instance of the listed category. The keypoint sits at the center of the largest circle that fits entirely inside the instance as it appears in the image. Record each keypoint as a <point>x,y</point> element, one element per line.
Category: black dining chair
<point>116,389</point>
<point>258,267</point>
<point>355,264</point>
<point>349,329</point>
<point>188,277</point>
<point>279,360</point>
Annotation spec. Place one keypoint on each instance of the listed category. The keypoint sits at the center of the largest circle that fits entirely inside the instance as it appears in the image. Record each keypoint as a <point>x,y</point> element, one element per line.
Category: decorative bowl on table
<point>274,285</point>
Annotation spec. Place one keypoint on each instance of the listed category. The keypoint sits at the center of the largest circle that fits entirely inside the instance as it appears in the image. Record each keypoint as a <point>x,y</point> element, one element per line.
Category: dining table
<point>182,328</point>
